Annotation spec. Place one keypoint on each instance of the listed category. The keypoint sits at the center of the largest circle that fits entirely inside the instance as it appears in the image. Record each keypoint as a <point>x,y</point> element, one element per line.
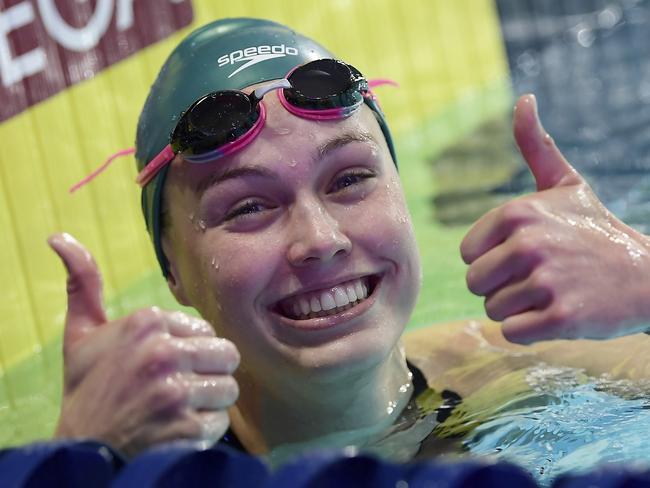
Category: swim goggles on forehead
<point>225,121</point>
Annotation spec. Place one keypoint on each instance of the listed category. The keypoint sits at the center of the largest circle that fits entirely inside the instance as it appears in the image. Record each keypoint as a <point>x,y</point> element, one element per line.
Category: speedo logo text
<point>254,55</point>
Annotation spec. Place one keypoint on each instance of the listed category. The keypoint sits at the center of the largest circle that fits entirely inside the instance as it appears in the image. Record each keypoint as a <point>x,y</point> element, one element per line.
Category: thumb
<point>546,162</point>
<point>84,288</point>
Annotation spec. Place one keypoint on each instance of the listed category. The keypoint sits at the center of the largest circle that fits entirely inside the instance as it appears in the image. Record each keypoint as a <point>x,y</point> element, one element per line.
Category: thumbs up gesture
<point>556,264</point>
<point>147,378</point>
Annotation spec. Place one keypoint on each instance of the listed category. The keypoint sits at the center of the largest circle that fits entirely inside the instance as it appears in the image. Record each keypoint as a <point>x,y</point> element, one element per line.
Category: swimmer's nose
<point>315,236</point>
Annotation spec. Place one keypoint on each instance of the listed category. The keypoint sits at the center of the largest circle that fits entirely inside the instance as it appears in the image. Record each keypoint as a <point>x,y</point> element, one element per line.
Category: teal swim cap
<point>228,54</point>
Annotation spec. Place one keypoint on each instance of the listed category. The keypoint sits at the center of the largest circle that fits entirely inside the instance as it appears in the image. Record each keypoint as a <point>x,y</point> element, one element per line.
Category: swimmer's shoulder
<point>444,349</point>
<point>456,340</point>
<point>456,355</point>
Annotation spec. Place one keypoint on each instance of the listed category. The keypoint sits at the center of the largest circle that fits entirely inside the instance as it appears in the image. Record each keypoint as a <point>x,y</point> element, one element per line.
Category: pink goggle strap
<point>379,82</point>
<point>325,114</point>
<point>106,164</point>
<point>151,169</point>
<point>382,81</point>
<point>167,154</point>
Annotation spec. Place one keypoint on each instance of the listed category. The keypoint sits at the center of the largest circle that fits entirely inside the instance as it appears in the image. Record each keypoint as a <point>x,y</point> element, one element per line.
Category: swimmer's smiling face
<point>309,216</point>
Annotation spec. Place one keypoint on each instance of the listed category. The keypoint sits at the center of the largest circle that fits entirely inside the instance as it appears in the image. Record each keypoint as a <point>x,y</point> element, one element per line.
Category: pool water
<point>568,423</point>
<point>550,421</point>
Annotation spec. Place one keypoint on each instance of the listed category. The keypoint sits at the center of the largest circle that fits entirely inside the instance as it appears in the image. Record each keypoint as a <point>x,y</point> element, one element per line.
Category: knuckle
<point>542,281</point>
<point>222,350</point>
<point>169,395</point>
<point>76,281</point>
<point>161,357</point>
<point>145,321</point>
<point>197,325</point>
<point>512,212</point>
<point>560,316</point>
<point>526,246</point>
<point>520,210</point>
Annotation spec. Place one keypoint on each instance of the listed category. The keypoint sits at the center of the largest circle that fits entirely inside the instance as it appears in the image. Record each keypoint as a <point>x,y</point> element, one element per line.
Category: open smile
<point>324,307</point>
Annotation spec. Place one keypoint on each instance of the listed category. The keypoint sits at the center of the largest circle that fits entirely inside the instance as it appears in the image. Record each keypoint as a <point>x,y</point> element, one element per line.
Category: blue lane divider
<point>92,464</point>
<point>62,463</point>
<point>183,464</point>
<point>322,470</point>
<point>610,477</point>
<point>468,474</point>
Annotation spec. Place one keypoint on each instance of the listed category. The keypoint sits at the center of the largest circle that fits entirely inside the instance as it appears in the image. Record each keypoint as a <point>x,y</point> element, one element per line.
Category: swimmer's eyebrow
<point>332,145</point>
<point>231,173</point>
<point>261,171</point>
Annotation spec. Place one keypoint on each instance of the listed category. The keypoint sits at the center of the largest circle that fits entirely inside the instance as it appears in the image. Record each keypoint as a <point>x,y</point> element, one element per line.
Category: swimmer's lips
<point>318,323</point>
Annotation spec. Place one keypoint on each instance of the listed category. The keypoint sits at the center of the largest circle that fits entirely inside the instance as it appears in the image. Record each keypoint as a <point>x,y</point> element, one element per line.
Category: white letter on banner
<point>13,70</point>
<point>124,14</point>
<point>72,38</point>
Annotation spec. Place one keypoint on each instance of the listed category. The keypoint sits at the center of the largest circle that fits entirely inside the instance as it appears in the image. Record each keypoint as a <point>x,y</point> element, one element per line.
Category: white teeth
<point>304,306</point>
<point>352,295</point>
<point>335,300</point>
<point>315,304</point>
<point>340,297</point>
<point>327,301</point>
<point>359,290</point>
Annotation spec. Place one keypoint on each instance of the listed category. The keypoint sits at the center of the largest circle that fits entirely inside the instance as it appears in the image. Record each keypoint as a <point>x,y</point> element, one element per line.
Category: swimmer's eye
<point>246,208</point>
<point>350,179</point>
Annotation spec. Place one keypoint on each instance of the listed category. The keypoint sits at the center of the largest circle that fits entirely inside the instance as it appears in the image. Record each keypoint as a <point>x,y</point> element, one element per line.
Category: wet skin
<point>307,206</point>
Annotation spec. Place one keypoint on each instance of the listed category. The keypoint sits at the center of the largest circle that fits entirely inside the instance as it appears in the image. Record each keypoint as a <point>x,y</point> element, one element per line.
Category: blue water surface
<point>568,424</point>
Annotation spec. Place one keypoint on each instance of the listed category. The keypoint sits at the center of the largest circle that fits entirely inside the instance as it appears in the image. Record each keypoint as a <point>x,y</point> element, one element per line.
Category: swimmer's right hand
<point>151,377</point>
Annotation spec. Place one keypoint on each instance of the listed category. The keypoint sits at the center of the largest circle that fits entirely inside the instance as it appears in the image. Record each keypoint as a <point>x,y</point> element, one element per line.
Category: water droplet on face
<point>391,407</point>
<point>214,263</point>
<point>292,163</point>
<point>199,225</point>
<point>283,131</point>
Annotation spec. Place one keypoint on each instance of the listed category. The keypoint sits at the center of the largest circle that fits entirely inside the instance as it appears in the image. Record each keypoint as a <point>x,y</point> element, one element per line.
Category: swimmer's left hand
<point>556,263</point>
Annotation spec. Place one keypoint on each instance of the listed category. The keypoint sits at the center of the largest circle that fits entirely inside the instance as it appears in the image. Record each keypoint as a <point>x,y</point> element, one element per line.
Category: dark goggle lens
<point>323,84</point>
<point>214,120</point>
<point>220,113</point>
<point>320,79</point>
<point>224,116</point>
